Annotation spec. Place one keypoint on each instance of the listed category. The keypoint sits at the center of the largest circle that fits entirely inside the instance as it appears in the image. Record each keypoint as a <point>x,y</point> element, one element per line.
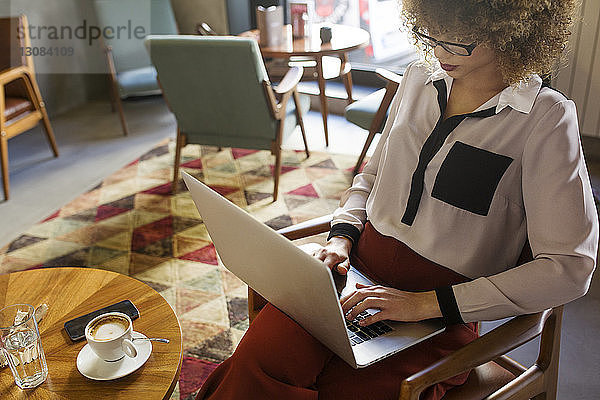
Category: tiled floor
<point>92,147</point>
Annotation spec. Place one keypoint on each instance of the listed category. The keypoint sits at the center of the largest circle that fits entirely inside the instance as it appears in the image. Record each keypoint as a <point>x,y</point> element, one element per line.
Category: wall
<point>580,78</point>
<point>189,13</point>
<point>68,82</point>
<point>61,88</point>
<point>224,16</point>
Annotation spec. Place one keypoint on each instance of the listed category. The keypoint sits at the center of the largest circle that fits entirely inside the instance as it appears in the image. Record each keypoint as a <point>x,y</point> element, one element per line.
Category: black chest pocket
<point>469,176</point>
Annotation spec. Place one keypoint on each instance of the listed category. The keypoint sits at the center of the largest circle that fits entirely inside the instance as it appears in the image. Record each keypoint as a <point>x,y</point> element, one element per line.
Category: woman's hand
<point>336,254</point>
<point>395,305</point>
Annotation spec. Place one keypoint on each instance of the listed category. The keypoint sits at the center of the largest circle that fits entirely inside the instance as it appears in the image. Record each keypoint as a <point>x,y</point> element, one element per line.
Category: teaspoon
<point>154,339</point>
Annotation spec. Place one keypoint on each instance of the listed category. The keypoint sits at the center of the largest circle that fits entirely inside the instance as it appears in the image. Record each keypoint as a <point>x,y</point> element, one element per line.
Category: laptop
<point>298,284</point>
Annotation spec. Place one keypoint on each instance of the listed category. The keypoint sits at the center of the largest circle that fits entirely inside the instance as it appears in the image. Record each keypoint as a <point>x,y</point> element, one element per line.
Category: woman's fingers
<point>333,258</point>
<point>371,319</point>
<point>369,302</point>
<point>392,304</point>
<point>351,300</point>
<point>320,254</point>
<point>343,267</point>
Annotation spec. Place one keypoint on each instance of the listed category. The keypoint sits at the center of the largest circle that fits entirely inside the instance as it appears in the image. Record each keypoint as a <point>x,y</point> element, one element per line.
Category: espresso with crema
<point>108,328</point>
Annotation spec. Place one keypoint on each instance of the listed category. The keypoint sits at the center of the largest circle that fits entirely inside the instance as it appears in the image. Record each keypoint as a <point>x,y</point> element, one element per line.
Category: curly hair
<point>527,36</point>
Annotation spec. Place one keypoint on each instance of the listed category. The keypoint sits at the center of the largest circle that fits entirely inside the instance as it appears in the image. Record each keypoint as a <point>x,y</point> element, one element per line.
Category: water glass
<point>21,344</point>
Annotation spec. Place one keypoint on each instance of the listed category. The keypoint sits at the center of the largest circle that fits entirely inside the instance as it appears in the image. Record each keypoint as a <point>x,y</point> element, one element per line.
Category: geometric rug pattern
<point>131,223</point>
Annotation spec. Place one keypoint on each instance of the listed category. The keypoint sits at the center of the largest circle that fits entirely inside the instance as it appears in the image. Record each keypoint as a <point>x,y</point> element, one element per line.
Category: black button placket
<point>432,145</point>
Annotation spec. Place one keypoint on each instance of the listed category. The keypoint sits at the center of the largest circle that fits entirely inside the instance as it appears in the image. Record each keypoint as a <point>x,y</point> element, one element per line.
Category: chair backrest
<point>214,86</point>
<point>14,36</point>
<point>123,17</point>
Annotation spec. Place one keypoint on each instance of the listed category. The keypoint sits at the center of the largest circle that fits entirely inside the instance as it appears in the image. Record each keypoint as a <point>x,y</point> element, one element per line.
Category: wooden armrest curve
<point>388,75</point>
<point>307,228</point>
<point>9,75</point>
<point>488,347</point>
<point>290,80</point>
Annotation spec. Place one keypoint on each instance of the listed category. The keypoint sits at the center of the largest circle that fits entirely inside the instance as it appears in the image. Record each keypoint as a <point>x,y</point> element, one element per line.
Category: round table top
<point>71,292</point>
<point>344,38</point>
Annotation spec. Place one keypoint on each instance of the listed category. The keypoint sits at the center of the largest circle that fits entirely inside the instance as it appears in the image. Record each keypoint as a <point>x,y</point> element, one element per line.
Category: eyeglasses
<point>452,48</point>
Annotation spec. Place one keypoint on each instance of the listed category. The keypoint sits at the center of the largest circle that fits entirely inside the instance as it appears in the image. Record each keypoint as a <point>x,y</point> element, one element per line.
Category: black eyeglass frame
<point>424,38</point>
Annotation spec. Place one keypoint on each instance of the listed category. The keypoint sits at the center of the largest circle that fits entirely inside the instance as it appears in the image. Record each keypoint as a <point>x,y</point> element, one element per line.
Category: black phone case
<point>76,327</point>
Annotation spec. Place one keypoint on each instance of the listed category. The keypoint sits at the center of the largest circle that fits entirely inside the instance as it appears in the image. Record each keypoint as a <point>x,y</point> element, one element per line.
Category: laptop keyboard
<point>359,334</point>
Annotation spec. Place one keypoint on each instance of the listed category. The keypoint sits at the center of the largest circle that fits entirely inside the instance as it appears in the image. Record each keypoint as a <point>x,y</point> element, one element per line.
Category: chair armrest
<point>307,228</point>
<point>285,89</point>
<point>204,29</point>
<point>388,75</point>
<point>290,80</point>
<point>488,347</point>
<point>9,75</point>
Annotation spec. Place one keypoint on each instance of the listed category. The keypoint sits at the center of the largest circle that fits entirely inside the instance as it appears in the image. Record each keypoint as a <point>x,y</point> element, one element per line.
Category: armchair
<point>21,104</point>
<point>494,375</point>
<point>130,71</point>
<point>371,111</point>
<point>220,93</point>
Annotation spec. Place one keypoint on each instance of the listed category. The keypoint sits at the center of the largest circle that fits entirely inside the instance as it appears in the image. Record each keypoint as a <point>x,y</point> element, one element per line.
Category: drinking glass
<point>21,343</point>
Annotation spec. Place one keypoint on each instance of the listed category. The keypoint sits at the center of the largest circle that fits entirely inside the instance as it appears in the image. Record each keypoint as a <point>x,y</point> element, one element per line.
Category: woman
<point>476,205</point>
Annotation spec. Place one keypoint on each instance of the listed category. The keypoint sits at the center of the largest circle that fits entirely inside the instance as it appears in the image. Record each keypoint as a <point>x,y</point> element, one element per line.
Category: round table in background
<point>344,39</point>
<point>71,292</point>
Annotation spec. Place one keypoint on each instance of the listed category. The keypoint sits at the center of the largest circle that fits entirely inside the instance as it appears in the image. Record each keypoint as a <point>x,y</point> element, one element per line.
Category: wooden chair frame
<point>392,83</point>
<point>323,73</point>
<point>277,99</point>
<point>11,128</point>
<point>115,100</point>
<point>494,376</point>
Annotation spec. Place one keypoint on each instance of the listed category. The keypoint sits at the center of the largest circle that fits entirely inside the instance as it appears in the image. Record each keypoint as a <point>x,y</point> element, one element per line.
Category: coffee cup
<point>110,336</point>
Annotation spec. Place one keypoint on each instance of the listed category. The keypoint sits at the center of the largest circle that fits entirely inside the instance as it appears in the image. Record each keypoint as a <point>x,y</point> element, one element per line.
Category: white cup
<point>110,336</point>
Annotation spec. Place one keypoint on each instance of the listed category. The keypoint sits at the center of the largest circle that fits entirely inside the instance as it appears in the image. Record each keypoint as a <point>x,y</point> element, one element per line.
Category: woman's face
<point>481,64</point>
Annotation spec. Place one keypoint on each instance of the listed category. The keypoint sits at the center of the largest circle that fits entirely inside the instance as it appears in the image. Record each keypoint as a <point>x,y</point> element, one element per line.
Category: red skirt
<point>278,359</point>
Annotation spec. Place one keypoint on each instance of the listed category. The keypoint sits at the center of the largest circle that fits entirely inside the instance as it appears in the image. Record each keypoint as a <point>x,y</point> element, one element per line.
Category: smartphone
<point>76,327</point>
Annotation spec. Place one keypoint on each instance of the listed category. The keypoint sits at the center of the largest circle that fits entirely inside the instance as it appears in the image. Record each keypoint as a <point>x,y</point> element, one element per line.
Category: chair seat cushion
<point>138,82</point>
<point>482,381</point>
<point>15,106</point>
<point>362,111</point>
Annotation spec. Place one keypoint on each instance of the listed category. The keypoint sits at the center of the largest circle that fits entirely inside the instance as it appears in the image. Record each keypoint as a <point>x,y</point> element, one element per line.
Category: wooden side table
<point>70,292</point>
<point>344,39</point>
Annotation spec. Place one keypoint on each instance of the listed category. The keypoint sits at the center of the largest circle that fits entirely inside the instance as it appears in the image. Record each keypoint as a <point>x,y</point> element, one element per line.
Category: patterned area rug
<point>132,224</point>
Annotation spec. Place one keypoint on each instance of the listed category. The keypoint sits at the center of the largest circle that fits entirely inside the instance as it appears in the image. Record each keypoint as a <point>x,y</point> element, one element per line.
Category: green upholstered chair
<point>371,111</point>
<point>219,91</point>
<point>131,71</point>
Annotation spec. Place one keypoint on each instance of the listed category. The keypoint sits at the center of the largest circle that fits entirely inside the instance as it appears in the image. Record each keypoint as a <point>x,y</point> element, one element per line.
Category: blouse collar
<point>520,96</point>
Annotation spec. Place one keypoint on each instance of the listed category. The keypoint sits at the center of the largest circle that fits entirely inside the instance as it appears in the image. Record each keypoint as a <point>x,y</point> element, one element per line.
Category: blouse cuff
<point>345,230</point>
<point>448,305</point>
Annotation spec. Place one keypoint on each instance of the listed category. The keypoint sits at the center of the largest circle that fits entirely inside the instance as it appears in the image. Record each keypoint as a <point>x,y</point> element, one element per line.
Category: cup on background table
<point>22,345</point>
<point>110,336</point>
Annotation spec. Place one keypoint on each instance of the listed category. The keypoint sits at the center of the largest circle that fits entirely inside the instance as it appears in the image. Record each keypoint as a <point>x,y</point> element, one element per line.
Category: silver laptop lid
<point>293,281</point>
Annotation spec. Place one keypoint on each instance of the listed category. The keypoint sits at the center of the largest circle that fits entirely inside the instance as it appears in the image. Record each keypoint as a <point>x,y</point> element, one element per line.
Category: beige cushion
<point>482,381</point>
<point>15,106</point>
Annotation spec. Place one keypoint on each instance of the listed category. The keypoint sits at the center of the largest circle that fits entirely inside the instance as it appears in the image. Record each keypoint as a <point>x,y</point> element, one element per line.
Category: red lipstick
<point>448,67</point>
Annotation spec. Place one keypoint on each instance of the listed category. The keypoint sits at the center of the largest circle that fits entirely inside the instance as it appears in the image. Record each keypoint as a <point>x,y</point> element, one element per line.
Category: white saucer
<point>91,366</point>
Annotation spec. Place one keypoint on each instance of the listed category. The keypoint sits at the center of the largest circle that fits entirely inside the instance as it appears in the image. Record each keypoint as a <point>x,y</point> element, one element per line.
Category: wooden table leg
<point>345,70</point>
<point>322,96</point>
